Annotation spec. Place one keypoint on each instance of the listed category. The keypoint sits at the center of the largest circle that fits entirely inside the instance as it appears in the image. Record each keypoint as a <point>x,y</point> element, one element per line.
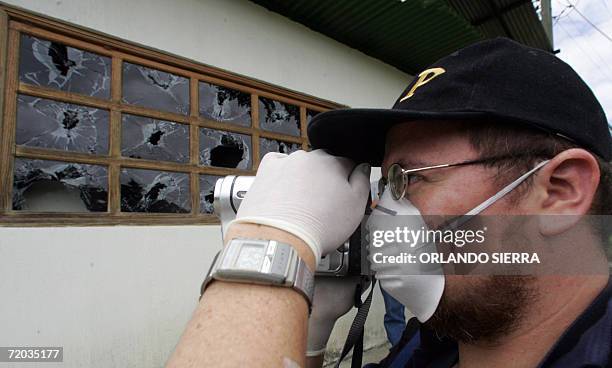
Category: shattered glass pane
<point>55,65</point>
<point>272,145</point>
<point>207,191</point>
<point>55,186</point>
<point>310,114</point>
<point>153,88</point>
<point>154,139</point>
<point>225,149</point>
<point>51,124</point>
<point>279,117</point>
<point>154,191</point>
<point>225,104</point>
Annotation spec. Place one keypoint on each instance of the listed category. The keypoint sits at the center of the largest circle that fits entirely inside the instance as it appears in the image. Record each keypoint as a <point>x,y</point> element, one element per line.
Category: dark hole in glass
<point>225,149</point>
<point>71,119</point>
<point>154,191</point>
<point>155,137</point>
<point>54,186</point>
<point>59,56</point>
<point>228,154</point>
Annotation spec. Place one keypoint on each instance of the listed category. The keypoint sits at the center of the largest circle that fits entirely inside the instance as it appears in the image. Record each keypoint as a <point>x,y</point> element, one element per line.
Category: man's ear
<point>566,186</point>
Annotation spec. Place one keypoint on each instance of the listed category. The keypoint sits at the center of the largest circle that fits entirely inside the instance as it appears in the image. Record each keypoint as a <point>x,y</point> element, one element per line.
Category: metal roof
<point>414,33</point>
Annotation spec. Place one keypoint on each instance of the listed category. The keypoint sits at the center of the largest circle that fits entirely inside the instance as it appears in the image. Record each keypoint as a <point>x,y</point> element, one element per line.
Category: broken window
<point>154,191</point>
<point>55,186</point>
<point>154,139</point>
<point>273,145</point>
<point>279,117</point>
<point>169,123</point>
<point>156,89</point>
<point>68,127</point>
<point>225,149</point>
<point>207,193</point>
<point>55,65</point>
<point>225,104</point>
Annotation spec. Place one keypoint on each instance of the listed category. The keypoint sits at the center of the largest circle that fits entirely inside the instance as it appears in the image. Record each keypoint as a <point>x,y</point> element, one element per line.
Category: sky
<point>583,47</point>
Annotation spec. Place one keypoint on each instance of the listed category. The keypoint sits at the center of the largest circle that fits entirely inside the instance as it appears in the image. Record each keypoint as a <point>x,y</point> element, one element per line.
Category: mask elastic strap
<point>507,189</point>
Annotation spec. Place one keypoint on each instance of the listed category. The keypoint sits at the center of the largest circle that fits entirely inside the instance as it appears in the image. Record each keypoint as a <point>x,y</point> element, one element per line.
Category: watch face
<point>251,257</point>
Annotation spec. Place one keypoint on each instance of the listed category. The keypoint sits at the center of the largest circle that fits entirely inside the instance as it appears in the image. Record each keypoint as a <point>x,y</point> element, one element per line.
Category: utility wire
<point>561,15</point>
<point>596,64</point>
<point>589,22</point>
<point>606,65</point>
<point>605,69</point>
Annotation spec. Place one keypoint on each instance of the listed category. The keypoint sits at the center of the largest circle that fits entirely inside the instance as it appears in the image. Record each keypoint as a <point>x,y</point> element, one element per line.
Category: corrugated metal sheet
<point>519,17</point>
<point>412,34</point>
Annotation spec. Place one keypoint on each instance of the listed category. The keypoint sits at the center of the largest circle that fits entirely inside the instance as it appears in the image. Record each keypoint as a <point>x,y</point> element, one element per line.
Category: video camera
<point>348,260</point>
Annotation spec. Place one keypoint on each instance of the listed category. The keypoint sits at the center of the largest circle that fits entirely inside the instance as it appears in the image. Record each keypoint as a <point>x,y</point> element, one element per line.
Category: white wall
<point>120,296</point>
<point>111,296</point>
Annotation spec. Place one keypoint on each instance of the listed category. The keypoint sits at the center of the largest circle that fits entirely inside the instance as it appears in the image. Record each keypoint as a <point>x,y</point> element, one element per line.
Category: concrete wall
<point>120,296</point>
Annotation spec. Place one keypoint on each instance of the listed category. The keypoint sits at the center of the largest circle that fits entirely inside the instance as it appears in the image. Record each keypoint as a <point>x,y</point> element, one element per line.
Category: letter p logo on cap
<point>425,77</point>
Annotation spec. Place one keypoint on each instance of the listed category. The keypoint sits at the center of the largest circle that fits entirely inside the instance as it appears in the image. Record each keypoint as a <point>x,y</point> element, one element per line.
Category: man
<point>495,128</point>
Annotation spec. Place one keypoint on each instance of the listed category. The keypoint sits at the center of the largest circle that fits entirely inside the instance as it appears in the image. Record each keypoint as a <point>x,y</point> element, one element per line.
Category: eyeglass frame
<point>486,160</point>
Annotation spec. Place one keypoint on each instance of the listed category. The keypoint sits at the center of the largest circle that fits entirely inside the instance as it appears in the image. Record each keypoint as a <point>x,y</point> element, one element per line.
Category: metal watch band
<point>304,281</point>
<point>281,266</point>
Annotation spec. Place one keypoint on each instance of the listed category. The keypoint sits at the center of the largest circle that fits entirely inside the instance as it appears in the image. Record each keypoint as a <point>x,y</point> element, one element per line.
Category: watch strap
<point>297,274</point>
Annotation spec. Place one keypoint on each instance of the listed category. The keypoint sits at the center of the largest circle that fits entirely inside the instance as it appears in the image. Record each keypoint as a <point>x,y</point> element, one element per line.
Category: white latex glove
<point>333,298</point>
<point>313,195</point>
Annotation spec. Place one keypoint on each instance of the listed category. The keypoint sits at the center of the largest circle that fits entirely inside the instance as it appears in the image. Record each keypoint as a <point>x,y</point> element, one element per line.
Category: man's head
<point>574,182</point>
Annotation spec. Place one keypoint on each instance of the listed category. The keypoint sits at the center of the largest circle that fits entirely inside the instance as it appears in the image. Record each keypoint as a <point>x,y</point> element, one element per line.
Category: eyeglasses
<point>399,178</point>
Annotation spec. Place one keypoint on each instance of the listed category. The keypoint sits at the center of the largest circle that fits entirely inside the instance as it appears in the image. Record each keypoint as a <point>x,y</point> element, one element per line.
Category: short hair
<point>533,146</point>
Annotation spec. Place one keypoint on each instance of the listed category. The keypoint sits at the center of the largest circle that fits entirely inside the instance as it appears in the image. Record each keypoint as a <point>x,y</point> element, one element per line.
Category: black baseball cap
<point>499,80</point>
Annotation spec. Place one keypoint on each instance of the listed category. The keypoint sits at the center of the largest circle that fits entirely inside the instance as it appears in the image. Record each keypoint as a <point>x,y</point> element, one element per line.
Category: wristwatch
<point>266,262</point>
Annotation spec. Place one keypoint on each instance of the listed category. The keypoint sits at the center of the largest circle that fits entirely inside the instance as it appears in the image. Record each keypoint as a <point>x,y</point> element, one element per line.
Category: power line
<point>596,64</point>
<point>606,65</point>
<point>559,16</point>
<point>591,23</point>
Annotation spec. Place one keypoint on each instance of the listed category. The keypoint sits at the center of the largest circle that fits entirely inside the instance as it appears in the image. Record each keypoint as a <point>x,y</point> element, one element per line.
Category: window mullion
<point>114,187</point>
<point>7,146</point>
<point>255,125</point>
<point>194,145</point>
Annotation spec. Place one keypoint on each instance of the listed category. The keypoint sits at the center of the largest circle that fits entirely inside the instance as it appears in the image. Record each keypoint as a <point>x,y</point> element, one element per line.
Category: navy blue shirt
<point>587,343</point>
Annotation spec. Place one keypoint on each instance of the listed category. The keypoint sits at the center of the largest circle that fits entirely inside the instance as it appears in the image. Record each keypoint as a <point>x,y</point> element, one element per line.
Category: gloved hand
<point>313,195</point>
<point>333,298</point>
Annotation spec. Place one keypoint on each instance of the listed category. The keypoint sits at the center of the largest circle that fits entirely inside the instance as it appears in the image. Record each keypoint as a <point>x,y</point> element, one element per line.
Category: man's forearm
<point>248,325</point>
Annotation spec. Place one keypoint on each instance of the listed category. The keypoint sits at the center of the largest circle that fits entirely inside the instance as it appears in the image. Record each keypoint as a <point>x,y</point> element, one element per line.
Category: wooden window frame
<point>14,22</point>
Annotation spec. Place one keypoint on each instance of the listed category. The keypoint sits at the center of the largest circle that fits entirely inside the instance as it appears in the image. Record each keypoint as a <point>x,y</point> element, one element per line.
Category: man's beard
<point>482,309</point>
